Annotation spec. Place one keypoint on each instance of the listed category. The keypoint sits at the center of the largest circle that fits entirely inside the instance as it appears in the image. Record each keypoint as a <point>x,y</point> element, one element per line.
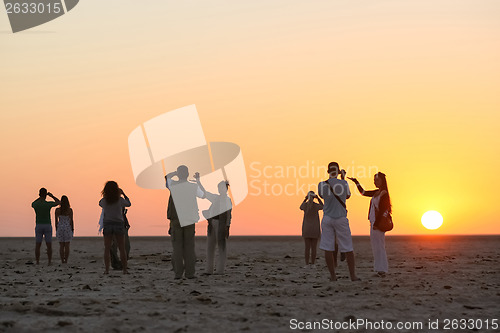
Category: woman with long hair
<point>380,206</point>
<point>65,227</point>
<point>112,204</point>
<point>311,230</point>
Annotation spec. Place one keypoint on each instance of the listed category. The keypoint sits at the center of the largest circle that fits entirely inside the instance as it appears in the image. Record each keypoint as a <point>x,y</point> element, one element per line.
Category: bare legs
<point>335,262</point>
<point>64,251</point>
<point>310,250</point>
<point>314,246</point>
<point>307,252</point>
<point>49,252</point>
<point>37,252</point>
<point>61,251</point>
<point>107,247</point>
<point>330,258</point>
<point>120,239</point>
<point>350,263</point>
<point>331,263</point>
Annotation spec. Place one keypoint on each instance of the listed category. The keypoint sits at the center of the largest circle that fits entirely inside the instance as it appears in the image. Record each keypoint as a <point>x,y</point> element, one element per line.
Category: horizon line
<point>233,236</point>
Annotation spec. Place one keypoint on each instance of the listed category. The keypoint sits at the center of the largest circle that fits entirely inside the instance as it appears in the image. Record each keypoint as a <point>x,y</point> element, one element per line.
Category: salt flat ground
<point>264,288</point>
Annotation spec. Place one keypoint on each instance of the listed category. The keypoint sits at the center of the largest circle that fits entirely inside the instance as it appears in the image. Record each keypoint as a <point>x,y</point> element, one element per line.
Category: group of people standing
<point>335,231</point>
<point>114,225</point>
<point>183,213</point>
<point>64,224</point>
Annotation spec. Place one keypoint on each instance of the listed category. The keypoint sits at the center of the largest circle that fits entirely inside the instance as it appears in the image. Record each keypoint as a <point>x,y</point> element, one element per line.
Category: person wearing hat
<point>310,226</point>
<point>335,225</point>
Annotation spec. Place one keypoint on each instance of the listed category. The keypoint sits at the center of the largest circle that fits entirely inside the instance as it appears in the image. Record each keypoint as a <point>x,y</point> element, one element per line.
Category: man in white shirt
<point>335,225</point>
<point>183,213</point>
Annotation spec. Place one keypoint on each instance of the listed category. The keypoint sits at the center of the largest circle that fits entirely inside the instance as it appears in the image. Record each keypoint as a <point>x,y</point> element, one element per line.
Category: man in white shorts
<point>335,225</point>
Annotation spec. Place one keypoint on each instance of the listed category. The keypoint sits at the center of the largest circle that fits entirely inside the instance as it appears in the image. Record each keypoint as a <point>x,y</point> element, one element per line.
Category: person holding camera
<point>310,226</point>
<point>113,201</point>
<point>335,225</point>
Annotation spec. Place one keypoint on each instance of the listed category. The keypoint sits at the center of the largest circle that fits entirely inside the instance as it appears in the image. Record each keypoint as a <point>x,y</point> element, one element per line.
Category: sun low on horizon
<point>432,220</point>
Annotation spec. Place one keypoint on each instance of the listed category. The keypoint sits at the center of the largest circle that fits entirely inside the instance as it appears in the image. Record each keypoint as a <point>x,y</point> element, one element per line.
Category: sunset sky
<point>410,88</point>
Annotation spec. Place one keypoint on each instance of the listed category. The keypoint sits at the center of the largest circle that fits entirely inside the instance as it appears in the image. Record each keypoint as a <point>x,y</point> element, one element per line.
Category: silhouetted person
<point>170,229</point>
<point>65,227</point>
<point>112,204</point>
<point>115,259</point>
<point>380,204</point>
<point>310,226</point>
<point>183,213</point>
<point>335,225</point>
<point>218,227</point>
<point>43,227</point>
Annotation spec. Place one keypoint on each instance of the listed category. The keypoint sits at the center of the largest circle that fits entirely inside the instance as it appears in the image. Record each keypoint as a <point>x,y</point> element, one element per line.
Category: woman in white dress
<point>65,227</point>
<point>380,204</point>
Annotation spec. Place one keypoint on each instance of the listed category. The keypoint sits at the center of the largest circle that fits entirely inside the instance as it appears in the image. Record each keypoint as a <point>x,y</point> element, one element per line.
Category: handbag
<point>384,222</point>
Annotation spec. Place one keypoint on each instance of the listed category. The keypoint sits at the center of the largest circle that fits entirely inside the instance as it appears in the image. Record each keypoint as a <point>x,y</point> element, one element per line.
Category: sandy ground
<point>265,287</point>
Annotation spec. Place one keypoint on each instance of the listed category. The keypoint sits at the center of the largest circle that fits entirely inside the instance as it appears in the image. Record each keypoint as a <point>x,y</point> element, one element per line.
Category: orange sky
<point>411,88</point>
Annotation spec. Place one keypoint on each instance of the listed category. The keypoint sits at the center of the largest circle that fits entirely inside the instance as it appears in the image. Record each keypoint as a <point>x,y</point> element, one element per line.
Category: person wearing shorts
<point>113,201</point>
<point>335,228</point>
<point>43,227</point>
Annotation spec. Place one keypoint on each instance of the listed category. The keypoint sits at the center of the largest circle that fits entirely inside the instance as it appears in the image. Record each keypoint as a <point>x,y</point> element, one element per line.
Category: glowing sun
<point>432,220</point>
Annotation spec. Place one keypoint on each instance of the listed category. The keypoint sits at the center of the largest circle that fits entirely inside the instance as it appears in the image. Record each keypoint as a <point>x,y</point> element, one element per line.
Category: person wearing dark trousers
<point>183,213</point>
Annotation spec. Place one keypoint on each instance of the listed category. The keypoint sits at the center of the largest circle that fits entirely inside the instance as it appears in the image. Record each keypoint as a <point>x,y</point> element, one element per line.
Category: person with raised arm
<point>335,225</point>
<point>43,225</point>
<point>311,230</point>
<point>219,221</point>
<point>183,213</point>
<point>380,204</point>
<point>113,201</point>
